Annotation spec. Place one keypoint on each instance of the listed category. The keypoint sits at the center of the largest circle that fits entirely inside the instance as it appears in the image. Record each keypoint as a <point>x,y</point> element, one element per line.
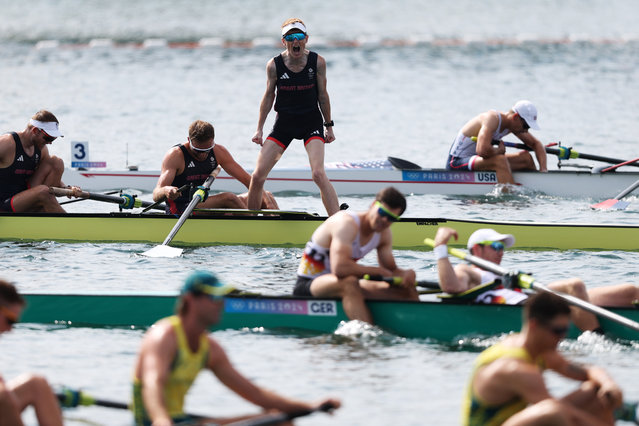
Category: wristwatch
<point>329,123</point>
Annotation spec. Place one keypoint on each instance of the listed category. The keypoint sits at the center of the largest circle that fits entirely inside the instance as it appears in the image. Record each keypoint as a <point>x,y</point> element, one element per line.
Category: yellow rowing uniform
<point>184,369</point>
<point>475,412</point>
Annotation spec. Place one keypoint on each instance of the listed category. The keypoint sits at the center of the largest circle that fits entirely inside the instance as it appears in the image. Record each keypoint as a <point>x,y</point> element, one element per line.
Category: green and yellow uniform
<point>476,412</point>
<point>184,369</point>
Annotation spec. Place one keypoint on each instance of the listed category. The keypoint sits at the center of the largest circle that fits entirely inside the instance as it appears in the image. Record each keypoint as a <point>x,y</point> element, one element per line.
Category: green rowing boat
<point>435,320</point>
<point>293,229</point>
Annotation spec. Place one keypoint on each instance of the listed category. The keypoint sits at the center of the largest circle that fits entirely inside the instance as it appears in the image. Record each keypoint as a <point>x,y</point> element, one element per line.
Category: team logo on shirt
<point>20,158</point>
<point>284,76</point>
<point>191,164</point>
<point>311,74</point>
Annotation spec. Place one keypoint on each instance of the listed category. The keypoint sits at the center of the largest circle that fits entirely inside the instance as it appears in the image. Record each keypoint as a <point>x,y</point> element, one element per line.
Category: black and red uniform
<point>13,179</point>
<point>195,173</point>
<point>298,114</point>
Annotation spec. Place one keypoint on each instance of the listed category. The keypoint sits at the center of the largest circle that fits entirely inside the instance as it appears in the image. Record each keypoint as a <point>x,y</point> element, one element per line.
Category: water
<point>402,80</point>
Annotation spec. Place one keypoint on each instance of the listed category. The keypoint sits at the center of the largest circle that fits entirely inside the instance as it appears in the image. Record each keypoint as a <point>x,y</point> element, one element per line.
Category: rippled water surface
<point>403,77</point>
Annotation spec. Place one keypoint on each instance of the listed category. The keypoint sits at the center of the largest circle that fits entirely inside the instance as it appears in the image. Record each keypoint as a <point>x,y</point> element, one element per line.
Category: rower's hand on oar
<point>76,191</point>
<point>171,192</point>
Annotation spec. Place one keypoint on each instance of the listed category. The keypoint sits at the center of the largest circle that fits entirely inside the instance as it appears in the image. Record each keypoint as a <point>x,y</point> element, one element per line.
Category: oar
<point>163,198</point>
<point>71,398</point>
<point>528,282</point>
<point>274,419</point>
<point>125,201</point>
<point>616,203</point>
<point>616,166</point>
<point>398,280</point>
<point>565,153</point>
<point>164,250</point>
<point>82,199</point>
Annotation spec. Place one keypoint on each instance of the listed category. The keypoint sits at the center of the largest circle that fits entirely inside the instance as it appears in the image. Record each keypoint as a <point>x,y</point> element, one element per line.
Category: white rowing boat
<point>365,178</point>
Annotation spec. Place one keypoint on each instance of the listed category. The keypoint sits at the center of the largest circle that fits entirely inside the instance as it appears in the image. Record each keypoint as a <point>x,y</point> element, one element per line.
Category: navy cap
<point>206,283</point>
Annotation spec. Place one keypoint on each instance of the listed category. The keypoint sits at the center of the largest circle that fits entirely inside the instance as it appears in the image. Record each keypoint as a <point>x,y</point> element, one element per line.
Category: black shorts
<point>5,206</point>
<point>304,126</point>
<point>303,287</point>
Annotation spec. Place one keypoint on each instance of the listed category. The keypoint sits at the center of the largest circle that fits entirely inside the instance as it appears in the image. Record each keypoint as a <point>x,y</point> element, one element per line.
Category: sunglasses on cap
<point>9,315</point>
<point>294,36</point>
<point>384,212</point>
<point>46,136</point>
<point>495,245</point>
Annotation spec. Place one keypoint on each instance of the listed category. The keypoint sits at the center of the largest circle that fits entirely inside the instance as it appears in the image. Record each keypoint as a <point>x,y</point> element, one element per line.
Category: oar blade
<point>163,250</point>
<point>611,204</point>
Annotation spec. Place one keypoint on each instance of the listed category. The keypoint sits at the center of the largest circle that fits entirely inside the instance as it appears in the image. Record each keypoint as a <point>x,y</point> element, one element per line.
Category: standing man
<point>303,110</point>
<point>26,390</point>
<point>473,147</point>
<point>26,168</point>
<point>489,245</point>
<point>192,162</point>
<point>329,265</point>
<point>507,385</point>
<point>176,348</point>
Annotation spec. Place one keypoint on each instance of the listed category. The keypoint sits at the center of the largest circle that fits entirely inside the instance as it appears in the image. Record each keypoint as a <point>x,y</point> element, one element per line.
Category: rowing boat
<point>293,229</point>
<point>365,180</point>
<point>435,320</point>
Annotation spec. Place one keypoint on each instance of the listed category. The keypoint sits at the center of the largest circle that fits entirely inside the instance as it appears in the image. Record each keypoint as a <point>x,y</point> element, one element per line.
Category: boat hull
<point>294,229</point>
<point>434,320</point>
<point>367,181</point>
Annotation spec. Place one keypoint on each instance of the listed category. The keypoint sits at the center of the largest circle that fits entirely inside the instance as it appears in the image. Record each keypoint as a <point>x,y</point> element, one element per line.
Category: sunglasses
<point>495,245</point>
<point>194,148</point>
<point>9,315</point>
<point>384,212</point>
<point>295,36</point>
<point>46,136</point>
<point>557,330</point>
<point>523,122</point>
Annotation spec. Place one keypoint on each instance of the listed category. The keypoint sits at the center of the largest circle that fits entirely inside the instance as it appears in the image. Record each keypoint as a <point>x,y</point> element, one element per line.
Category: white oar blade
<point>163,251</point>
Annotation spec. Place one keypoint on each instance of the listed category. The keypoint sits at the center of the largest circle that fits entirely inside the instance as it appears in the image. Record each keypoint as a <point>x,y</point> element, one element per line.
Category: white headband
<point>294,25</point>
<point>51,127</point>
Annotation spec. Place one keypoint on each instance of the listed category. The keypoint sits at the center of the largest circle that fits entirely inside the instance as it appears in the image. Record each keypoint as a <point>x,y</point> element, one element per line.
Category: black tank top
<point>296,91</point>
<point>14,178</point>
<point>195,172</point>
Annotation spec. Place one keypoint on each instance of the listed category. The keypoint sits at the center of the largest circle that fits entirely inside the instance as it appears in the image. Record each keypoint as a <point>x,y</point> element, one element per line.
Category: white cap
<point>528,112</point>
<point>293,26</point>
<point>487,234</point>
<point>51,127</point>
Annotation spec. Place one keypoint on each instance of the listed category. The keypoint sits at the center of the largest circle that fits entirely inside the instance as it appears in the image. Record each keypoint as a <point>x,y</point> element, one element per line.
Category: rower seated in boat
<point>329,266</point>
<point>507,385</point>
<point>27,170</point>
<point>490,245</point>
<point>27,390</point>
<point>191,163</point>
<point>473,147</point>
<point>176,348</point>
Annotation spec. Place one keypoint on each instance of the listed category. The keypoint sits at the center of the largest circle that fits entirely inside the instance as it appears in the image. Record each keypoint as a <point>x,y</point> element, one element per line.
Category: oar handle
<point>71,398</point>
<point>163,198</point>
<point>68,192</point>
<point>125,201</point>
<point>274,419</point>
